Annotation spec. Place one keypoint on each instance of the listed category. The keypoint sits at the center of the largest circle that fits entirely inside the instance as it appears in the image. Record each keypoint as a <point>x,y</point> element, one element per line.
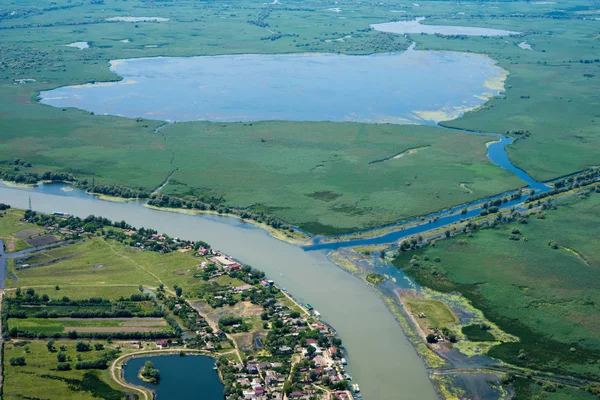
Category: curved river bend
<point>380,357</point>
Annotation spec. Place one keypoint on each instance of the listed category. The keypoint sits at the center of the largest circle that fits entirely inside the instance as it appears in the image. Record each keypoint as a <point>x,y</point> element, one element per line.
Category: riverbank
<point>296,237</point>
<point>293,268</point>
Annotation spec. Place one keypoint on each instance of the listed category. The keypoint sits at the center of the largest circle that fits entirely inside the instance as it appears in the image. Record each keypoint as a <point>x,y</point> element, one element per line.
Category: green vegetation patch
<point>547,297</point>
<point>40,374</point>
<point>527,389</point>
<point>431,314</point>
<point>478,333</point>
<point>375,279</point>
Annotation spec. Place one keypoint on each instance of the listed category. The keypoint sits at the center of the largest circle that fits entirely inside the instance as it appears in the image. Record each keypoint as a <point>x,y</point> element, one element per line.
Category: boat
<point>348,377</point>
<point>317,314</point>
<point>344,362</point>
<point>309,307</point>
<point>355,388</point>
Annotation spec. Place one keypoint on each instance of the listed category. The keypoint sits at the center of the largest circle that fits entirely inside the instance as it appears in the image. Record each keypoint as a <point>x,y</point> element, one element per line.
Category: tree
<point>178,291</point>
<point>82,346</point>
<point>57,287</point>
<point>50,346</point>
<point>150,373</point>
<point>61,357</point>
<point>431,338</point>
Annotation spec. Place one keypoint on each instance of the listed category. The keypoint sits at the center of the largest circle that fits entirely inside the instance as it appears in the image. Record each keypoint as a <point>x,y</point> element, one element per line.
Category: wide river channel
<point>380,357</point>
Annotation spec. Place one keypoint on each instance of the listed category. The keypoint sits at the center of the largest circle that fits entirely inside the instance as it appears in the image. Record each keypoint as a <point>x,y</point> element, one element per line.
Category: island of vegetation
<point>149,373</point>
<point>67,334</point>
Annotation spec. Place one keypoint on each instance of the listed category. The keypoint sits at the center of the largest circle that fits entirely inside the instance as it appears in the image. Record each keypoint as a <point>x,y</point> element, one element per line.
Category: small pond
<point>189,377</point>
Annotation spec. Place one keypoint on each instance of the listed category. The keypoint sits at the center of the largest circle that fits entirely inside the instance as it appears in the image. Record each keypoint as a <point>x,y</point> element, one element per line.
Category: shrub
<point>63,366</point>
<point>17,361</point>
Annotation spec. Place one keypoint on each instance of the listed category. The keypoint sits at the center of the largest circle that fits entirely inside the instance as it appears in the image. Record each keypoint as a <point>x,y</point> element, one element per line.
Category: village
<point>266,345</point>
<point>298,357</point>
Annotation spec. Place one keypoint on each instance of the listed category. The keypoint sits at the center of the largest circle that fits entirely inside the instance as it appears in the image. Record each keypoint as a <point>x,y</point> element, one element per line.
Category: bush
<point>63,366</point>
<point>17,361</point>
<point>94,364</point>
<point>82,346</point>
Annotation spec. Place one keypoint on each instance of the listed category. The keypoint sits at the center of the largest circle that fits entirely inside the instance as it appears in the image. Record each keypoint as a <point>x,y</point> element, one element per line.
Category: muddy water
<point>380,357</point>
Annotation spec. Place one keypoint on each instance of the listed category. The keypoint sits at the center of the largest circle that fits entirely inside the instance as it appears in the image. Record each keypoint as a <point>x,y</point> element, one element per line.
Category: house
<point>162,343</point>
<point>252,368</point>
<point>285,349</point>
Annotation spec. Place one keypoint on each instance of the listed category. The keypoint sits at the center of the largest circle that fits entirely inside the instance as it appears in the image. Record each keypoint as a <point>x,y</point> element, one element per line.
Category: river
<point>380,357</point>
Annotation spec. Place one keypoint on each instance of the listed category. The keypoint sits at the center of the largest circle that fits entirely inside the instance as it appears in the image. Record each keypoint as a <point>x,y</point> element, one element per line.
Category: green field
<point>34,379</point>
<point>314,175</point>
<point>437,314</point>
<point>50,326</point>
<point>13,231</point>
<point>547,297</point>
<point>103,264</point>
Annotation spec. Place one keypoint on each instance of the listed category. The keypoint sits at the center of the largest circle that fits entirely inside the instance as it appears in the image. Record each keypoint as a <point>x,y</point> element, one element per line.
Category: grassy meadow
<point>315,175</point>
<point>98,265</point>
<point>14,232</point>
<point>39,374</point>
<point>548,297</point>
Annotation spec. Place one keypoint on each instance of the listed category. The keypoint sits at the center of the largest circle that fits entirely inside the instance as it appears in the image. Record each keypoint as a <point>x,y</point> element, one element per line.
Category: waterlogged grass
<point>317,175</point>
<point>40,379</point>
<point>477,333</point>
<point>550,91</point>
<point>534,390</point>
<point>546,297</point>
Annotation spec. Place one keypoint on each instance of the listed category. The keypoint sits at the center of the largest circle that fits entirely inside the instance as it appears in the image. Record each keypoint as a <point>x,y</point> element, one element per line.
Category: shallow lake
<point>415,26</point>
<point>405,87</point>
<point>190,377</point>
